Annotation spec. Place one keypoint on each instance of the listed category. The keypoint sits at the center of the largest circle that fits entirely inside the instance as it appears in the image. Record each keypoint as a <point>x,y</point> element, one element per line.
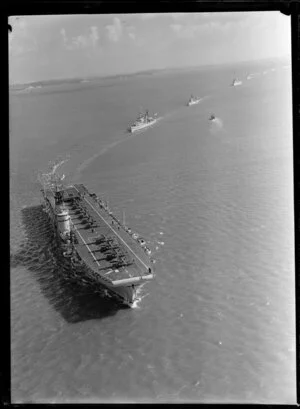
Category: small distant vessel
<point>193,100</point>
<point>144,120</point>
<point>236,82</point>
<point>212,117</point>
<point>31,88</point>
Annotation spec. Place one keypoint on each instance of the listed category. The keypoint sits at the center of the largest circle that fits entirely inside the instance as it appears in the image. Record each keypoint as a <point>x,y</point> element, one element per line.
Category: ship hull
<point>139,128</point>
<point>125,295</point>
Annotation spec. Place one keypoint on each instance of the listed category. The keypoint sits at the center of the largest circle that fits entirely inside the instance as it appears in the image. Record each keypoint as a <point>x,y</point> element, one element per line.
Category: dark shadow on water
<point>76,300</point>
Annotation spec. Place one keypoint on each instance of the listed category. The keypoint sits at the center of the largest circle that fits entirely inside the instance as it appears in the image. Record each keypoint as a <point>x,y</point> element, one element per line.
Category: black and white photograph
<point>152,255</point>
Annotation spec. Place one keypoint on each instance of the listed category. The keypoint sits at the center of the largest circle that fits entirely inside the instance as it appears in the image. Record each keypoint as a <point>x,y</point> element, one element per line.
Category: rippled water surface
<point>217,324</point>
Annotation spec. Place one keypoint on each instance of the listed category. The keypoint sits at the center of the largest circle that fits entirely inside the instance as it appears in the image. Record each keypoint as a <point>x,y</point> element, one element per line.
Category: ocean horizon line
<point>62,80</point>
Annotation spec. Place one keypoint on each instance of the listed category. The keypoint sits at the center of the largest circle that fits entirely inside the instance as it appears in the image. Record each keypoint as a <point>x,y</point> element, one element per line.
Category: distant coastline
<point>60,81</point>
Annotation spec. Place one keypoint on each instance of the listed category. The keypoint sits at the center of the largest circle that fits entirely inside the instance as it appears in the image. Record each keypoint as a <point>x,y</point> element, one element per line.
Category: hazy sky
<point>46,47</point>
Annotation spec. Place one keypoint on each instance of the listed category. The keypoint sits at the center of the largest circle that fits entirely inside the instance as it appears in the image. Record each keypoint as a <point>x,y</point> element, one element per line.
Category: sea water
<point>215,200</point>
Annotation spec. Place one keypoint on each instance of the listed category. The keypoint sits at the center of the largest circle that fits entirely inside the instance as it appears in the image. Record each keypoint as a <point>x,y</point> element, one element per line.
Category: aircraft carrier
<point>95,242</point>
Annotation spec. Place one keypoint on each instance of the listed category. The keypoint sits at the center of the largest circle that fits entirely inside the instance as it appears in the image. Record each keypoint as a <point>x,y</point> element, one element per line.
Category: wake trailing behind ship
<point>94,242</point>
<point>193,100</point>
<point>144,120</point>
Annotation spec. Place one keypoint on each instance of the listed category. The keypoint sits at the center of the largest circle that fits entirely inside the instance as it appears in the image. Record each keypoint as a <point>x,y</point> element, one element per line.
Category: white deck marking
<point>114,231</point>
<point>86,244</point>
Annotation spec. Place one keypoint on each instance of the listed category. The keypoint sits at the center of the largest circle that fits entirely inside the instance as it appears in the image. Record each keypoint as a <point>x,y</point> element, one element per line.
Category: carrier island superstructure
<point>95,242</point>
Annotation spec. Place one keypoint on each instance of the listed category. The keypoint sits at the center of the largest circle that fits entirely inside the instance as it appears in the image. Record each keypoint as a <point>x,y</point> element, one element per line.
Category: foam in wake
<point>52,175</point>
<point>216,125</point>
<point>139,297</point>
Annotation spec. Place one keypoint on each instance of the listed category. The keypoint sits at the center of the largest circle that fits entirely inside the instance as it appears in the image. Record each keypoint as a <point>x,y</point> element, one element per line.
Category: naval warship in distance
<point>236,82</point>
<point>193,100</point>
<point>143,121</point>
<point>95,243</point>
